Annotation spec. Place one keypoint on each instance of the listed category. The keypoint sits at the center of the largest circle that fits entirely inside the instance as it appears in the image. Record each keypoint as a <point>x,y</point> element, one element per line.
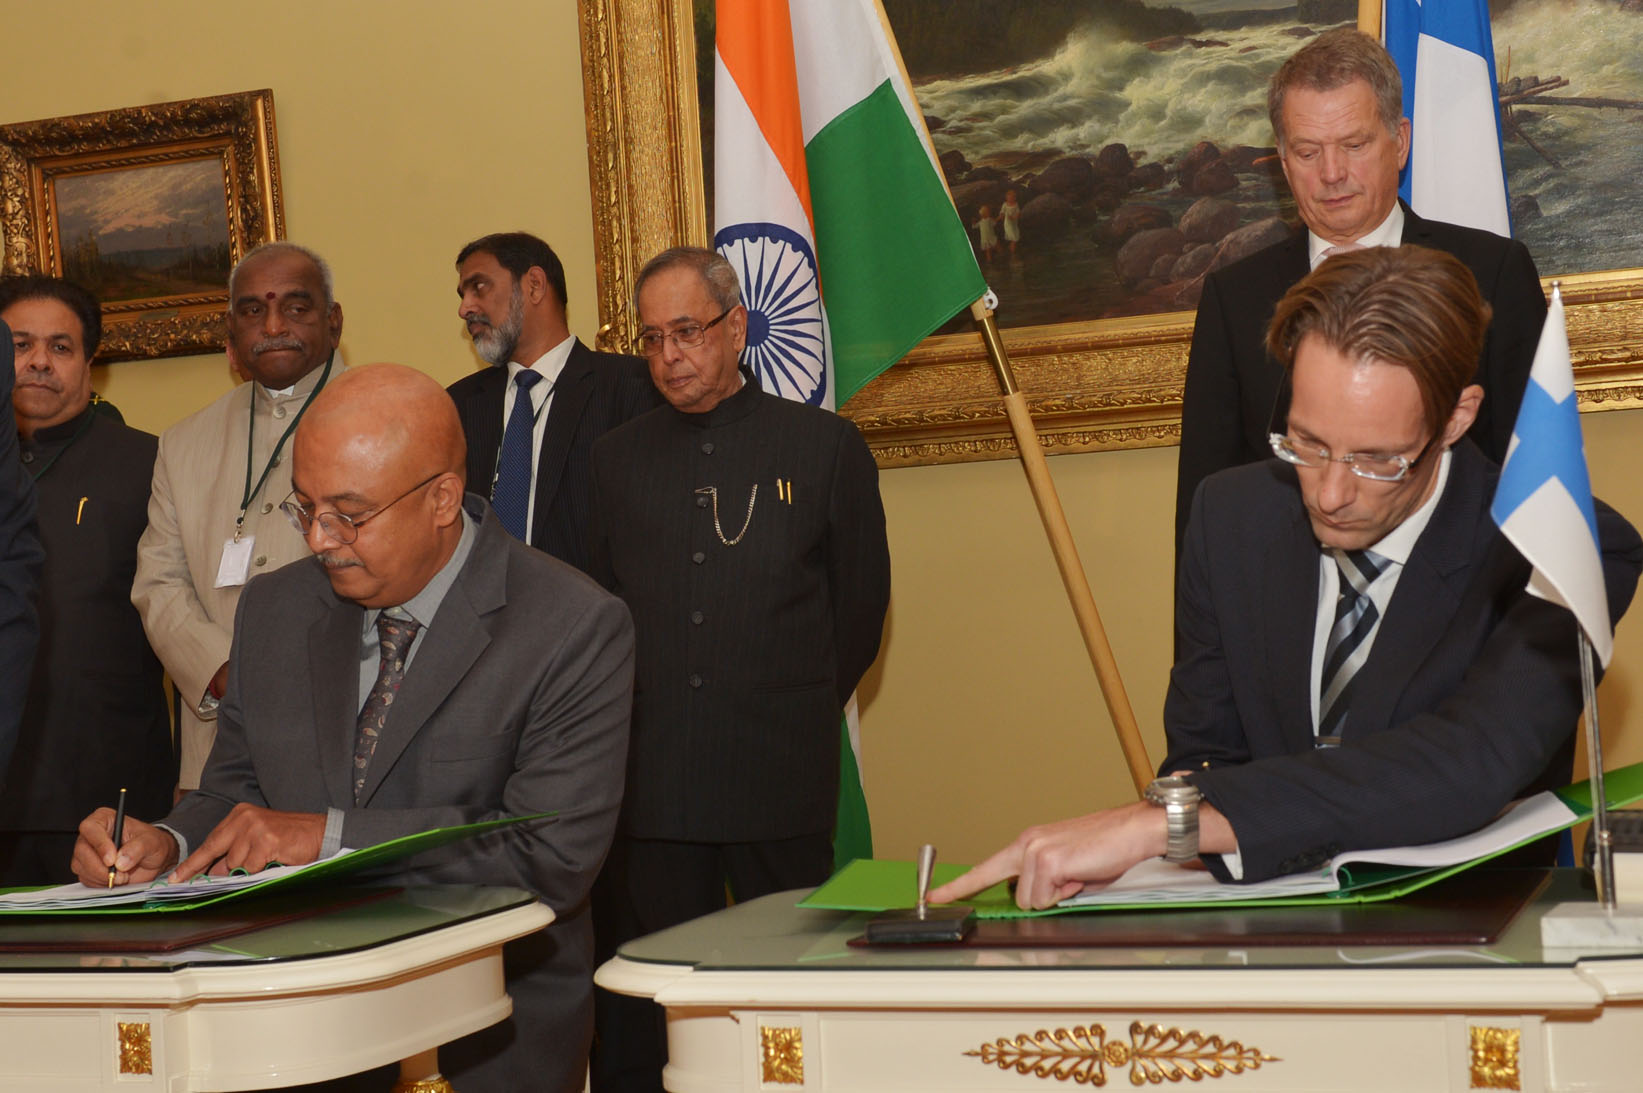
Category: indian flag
<point>830,205</point>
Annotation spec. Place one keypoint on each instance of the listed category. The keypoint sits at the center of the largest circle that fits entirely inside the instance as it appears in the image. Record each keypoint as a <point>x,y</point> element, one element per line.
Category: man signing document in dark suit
<point>1449,691</point>
<point>423,669</point>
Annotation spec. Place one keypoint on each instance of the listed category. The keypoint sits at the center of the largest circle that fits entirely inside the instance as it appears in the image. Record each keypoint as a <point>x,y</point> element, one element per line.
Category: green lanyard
<point>251,428</point>
<point>85,427</point>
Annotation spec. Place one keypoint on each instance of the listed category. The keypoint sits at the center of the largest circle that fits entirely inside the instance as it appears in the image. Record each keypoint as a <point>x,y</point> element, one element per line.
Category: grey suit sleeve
<point>20,561</point>
<point>1442,772</point>
<point>570,761</point>
<point>229,776</point>
<point>858,560</point>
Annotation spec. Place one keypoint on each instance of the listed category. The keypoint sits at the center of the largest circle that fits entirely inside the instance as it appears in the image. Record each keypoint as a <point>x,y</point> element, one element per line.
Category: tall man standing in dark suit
<point>530,456</point>
<point>1360,663</point>
<point>423,669</point>
<point>96,719</point>
<point>746,534</point>
<point>1337,114</point>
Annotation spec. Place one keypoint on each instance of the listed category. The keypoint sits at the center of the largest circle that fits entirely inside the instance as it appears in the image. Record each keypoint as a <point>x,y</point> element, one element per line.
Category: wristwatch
<point>1179,799</point>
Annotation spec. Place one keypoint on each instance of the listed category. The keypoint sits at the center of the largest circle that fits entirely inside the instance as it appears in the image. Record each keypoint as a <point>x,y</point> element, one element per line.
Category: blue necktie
<point>511,494</point>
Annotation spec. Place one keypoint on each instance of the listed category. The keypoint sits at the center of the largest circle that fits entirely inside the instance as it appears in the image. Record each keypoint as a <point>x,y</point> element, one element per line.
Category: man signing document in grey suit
<point>423,669</point>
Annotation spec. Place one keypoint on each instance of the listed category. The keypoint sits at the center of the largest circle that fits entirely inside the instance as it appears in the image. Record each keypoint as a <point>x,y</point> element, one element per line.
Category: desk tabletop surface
<point>773,934</point>
<point>294,927</point>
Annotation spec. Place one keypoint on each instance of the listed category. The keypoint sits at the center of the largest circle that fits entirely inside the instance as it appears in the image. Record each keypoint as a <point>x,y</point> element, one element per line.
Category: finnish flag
<point>1446,55</point>
<point>1543,503</point>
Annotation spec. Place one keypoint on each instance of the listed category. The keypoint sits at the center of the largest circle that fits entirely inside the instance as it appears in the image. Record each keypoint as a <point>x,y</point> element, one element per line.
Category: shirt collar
<point>549,364</point>
<point>1388,234</point>
<point>732,408</point>
<point>56,434</point>
<point>425,604</point>
<point>1397,544</point>
<point>302,387</point>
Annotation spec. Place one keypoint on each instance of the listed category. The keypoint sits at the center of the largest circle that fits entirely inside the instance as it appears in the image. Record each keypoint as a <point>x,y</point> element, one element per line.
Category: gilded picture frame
<point>149,207</point>
<point>1092,386</point>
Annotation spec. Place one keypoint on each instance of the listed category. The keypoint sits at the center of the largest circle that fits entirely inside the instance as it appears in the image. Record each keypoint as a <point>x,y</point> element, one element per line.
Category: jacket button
<point>707,447</point>
<point>694,680</point>
<point>698,557</point>
<point>701,502</point>
<point>267,507</point>
<point>696,617</point>
<point>279,411</point>
<point>262,559</point>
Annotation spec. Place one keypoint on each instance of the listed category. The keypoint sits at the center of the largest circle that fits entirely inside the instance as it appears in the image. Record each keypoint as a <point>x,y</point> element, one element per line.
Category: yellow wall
<point>407,128</point>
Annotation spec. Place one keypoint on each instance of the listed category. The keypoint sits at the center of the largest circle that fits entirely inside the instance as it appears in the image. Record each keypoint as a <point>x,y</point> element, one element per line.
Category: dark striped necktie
<point>1349,639</point>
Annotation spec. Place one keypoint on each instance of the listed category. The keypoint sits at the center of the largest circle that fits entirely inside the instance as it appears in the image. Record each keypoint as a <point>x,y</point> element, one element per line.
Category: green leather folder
<point>874,885</point>
<point>327,872</point>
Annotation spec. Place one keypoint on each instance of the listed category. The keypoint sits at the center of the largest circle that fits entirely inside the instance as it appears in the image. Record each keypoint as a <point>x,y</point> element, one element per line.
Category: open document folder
<point>1356,877</point>
<point>158,895</point>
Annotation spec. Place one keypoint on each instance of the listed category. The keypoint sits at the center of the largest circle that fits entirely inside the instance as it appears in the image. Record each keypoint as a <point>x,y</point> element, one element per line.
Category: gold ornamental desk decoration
<point>1153,1054</point>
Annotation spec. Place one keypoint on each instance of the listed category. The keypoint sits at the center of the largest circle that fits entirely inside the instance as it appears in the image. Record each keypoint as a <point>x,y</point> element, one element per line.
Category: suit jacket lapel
<point>483,425</point>
<point>1427,597</point>
<point>1291,581</point>
<point>333,666</point>
<point>445,651</point>
<point>570,394</point>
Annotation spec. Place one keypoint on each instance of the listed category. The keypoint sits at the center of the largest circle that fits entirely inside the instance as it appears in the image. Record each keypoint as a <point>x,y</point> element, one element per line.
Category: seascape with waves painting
<point>1106,153</point>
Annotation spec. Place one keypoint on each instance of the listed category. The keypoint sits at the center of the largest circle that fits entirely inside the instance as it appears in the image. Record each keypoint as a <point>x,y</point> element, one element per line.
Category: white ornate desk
<point>303,1001</point>
<point>766,996</point>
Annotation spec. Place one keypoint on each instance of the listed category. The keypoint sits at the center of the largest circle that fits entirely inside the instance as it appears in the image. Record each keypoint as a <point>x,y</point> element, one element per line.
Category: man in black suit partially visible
<point>1337,114</point>
<point>96,717</point>
<point>1361,664</point>
<point>20,558</point>
<point>531,459</point>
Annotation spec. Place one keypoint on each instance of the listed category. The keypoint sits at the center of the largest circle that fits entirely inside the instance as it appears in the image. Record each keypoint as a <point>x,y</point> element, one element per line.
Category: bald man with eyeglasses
<point>422,669</point>
<point>1360,664</point>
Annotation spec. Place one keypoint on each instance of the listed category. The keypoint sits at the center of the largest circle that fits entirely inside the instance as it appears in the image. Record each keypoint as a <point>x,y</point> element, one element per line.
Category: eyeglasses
<point>1376,468</point>
<point>688,336</point>
<point>340,526</point>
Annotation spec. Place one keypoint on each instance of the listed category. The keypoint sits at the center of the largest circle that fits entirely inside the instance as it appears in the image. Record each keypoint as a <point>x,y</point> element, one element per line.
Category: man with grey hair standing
<point>213,518</point>
<point>1336,107</point>
<point>746,535</point>
<point>531,417</point>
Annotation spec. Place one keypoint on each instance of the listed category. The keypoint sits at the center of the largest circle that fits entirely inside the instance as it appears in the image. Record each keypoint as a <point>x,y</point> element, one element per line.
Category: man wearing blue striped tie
<point>1359,663</point>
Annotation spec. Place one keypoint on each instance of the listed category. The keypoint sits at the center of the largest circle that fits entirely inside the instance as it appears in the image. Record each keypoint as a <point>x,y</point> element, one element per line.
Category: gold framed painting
<point>149,207</point>
<point>1092,384</point>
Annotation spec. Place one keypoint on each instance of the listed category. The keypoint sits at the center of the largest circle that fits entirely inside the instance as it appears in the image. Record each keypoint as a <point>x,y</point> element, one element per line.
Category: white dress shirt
<point>548,365</point>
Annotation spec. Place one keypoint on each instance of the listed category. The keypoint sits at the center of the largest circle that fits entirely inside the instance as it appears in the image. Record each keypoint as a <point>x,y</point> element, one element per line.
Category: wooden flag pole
<point>1065,551</point>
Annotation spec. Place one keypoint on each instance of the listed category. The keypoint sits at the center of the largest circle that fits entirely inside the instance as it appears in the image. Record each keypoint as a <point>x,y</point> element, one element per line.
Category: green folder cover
<point>329,870</point>
<point>874,885</point>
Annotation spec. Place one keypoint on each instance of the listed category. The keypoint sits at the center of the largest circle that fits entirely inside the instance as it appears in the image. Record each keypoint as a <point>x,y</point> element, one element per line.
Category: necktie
<point>511,494</point>
<point>395,637</point>
<point>1349,639</point>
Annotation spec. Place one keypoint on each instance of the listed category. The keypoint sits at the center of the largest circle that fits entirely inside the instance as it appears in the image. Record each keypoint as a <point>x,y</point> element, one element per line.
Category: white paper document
<point>87,897</point>
<point>1156,881</point>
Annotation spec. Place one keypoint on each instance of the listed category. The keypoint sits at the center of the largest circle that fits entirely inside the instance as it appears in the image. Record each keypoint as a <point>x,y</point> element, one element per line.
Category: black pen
<point>119,832</point>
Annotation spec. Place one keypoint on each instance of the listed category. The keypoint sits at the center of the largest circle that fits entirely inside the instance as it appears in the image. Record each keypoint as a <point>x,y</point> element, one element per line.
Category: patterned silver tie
<point>395,637</point>
<point>1349,639</point>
